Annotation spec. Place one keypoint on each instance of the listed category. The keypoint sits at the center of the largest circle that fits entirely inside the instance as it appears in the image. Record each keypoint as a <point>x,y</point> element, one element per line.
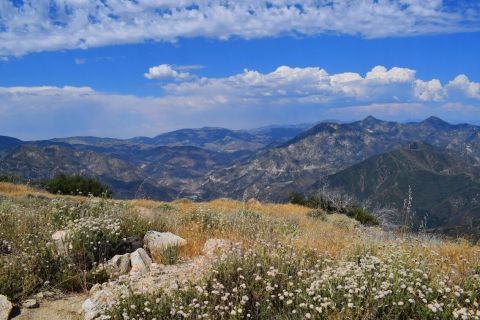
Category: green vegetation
<point>333,204</point>
<point>9,178</point>
<point>77,185</point>
<point>31,261</point>
<point>283,261</point>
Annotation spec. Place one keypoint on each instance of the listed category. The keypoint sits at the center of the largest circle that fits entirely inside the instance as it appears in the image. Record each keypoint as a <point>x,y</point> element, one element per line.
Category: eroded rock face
<point>60,239</point>
<point>156,243</point>
<point>140,261</point>
<point>214,247</point>
<point>5,308</point>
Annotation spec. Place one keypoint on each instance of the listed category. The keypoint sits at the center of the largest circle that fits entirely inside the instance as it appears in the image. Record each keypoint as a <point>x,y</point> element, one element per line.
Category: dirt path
<point>67,308</point>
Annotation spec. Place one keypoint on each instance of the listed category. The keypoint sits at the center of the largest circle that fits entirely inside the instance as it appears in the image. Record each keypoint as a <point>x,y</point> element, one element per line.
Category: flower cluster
<point>277,281</point>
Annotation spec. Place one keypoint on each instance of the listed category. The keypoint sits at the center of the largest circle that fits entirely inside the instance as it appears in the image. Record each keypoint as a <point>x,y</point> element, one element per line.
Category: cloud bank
<point>38,25</point>
<point>244,100</point>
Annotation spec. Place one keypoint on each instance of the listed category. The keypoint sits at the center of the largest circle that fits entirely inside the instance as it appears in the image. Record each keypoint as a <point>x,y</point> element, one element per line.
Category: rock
<point>119,264</point>
<point>216,246</point>
<point>5,308</point>
<point>60,240</point>
<point>89,310</point>
<point>102,299</point>
<point>130,244</point>
<point>140,261</point>
<point>30,304</point>
<point>156,243</point>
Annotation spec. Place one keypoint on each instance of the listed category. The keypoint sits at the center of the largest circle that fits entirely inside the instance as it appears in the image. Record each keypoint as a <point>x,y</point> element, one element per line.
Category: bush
<point>9,178</point>
<point>362,216</point>
<point>340,204</point>
<point>77,185</point>
<point>317,214</point>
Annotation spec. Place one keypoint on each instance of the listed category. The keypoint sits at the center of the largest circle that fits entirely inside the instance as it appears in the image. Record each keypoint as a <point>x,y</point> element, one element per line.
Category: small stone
<point>40,295</point>
<point>156,243</point>
<point>30,304</point>
<point>140,261</point>
<point>5,308</point>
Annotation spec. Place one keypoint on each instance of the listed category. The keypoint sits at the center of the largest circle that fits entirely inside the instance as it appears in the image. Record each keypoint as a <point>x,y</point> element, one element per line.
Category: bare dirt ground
<point>67,308</point>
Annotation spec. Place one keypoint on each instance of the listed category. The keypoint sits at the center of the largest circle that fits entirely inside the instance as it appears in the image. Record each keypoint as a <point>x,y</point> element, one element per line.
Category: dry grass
<point>335,235</point>
<point>18,190</point>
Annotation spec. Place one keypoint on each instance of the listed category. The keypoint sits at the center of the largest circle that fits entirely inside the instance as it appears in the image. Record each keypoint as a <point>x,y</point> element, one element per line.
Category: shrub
<point>361,215</point>
<point>170,255</point>
<point>77,185</point>
<point>317,214</point>
<point>9,178</point>
<point>333,203</point>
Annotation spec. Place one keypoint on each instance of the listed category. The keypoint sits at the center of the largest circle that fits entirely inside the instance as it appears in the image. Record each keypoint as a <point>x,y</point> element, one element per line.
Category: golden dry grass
<point>337,236</point>
<point>18,190</point>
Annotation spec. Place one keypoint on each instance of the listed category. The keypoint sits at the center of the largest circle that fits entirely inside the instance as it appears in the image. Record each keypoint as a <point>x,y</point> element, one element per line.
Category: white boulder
<point>156,243</point>
<point>5,308</point>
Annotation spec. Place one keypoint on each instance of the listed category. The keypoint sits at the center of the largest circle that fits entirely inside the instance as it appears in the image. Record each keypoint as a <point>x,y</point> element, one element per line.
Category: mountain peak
<point>436,122</point>
<point>371,120</point>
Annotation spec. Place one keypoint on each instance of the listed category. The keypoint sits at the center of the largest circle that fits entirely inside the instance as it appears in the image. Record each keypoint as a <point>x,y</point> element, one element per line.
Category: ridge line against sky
<point>124,68</point>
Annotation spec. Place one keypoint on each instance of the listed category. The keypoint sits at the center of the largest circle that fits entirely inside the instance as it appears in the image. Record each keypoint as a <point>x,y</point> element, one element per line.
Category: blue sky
<point>125,68</point>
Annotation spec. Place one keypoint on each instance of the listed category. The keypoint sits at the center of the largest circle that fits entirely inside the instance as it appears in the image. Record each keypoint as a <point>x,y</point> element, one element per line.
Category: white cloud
<point>429,90</point>
<point>381,74</point>
<point>465,86</point>
<point>165,71</point>
<point>248,99</point>
<point>315,85</point>
<point>38,25</point>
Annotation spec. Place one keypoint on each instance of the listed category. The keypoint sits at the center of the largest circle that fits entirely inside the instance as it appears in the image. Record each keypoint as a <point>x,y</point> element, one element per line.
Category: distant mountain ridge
<point>210,138</point>
<point>168,166</point>
<point>331,147</point>
<point>371,159</point>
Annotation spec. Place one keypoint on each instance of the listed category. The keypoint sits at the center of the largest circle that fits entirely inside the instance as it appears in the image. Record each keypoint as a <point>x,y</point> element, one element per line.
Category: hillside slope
<point>446,189</point>
<point>329,148</point>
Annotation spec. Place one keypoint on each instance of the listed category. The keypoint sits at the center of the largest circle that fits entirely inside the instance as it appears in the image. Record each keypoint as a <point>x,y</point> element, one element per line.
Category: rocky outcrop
<point>5,308</point>
<point>155,277</point>
<point>156,243</point>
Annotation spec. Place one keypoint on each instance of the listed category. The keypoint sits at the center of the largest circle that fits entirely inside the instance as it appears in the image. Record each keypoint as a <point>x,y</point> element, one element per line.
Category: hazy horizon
<point>105,68</point>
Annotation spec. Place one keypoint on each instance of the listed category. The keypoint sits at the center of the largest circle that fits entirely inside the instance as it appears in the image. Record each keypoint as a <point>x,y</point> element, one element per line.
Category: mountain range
<point>375,161</point>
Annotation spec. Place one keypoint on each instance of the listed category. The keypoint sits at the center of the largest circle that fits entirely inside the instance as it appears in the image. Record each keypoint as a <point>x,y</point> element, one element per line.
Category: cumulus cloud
<point>315,85</point>
<point>165,71</point>
<point>429,90</point>
<point>250,98</point>
<point>464,85</point>
<point>38,25</point>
